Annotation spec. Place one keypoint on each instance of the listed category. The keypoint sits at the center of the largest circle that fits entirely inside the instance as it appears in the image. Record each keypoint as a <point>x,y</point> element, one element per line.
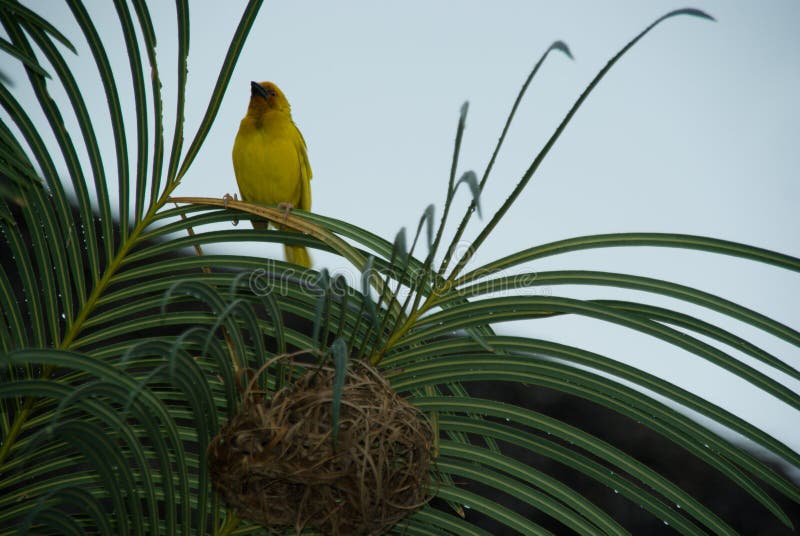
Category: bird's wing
<point>305,172</point>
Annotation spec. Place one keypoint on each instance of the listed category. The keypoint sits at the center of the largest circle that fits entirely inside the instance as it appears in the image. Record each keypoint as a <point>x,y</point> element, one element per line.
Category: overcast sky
<point>696,130</point>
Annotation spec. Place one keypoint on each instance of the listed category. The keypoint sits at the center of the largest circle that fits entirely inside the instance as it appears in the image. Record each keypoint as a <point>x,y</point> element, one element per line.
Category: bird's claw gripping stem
<point>225,200</point>
<point>287,208</point>
<point>228,197</point>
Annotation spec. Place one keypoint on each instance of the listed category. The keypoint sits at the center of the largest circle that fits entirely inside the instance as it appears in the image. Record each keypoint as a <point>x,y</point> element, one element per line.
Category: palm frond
<point>124,348</point>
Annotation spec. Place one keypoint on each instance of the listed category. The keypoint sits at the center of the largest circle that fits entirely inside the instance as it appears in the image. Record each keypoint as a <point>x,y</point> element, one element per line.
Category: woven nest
<point>275,463</point>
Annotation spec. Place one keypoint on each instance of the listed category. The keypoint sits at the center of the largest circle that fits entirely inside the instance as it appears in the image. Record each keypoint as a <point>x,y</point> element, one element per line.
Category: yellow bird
<point>270,159</point>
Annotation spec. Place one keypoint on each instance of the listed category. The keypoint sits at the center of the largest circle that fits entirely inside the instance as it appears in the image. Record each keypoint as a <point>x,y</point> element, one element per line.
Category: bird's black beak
<point>256,89</point>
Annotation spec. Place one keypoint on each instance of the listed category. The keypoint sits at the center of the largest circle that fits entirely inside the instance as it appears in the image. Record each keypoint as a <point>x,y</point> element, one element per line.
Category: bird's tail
<point>294,254</point>
<point>297,255</point>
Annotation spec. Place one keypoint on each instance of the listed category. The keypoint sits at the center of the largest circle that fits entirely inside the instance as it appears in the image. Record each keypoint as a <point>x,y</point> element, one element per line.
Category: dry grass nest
<point>275,463</point>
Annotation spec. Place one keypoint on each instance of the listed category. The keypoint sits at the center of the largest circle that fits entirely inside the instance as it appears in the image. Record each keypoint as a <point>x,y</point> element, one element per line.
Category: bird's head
<point>265,97</point>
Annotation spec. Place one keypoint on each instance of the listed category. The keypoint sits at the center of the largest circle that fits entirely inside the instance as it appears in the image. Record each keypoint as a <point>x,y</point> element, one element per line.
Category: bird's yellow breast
<point>267,160</point>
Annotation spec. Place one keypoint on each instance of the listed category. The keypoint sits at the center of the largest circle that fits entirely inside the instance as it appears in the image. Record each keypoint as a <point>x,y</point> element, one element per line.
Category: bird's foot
<point>228,197</point>
<point>225,200</point>
<point>287,208</point>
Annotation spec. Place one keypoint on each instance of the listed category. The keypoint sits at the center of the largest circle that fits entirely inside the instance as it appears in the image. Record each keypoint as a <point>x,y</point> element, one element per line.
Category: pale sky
<point>696,130</point>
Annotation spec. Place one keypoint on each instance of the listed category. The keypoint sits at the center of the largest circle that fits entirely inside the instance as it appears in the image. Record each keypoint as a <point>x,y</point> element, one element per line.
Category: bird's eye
<point>271,92</point>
